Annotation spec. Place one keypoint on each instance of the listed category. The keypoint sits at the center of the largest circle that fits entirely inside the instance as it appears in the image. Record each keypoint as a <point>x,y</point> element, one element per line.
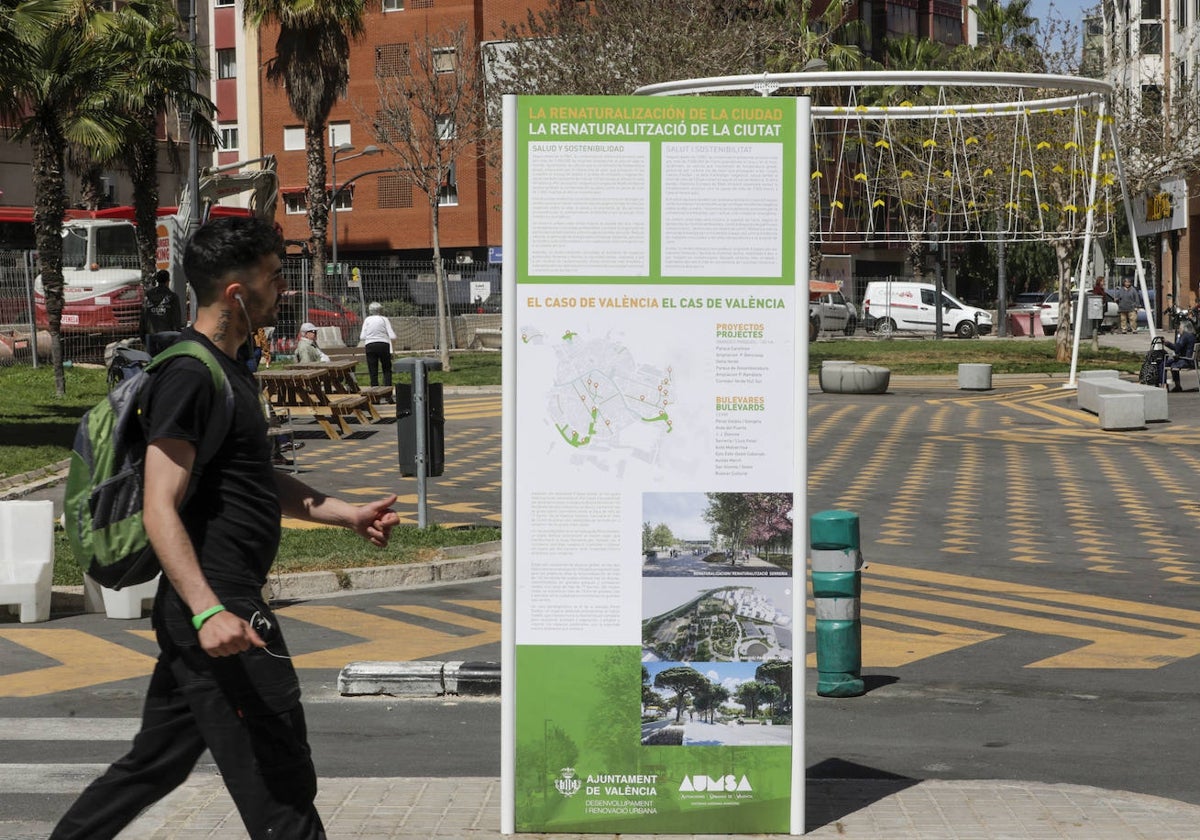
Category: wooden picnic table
<point>306,391</point>
<point>343,380</point>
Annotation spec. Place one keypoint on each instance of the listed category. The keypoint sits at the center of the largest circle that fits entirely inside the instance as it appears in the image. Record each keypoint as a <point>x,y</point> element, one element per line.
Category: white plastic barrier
<point>27,557</point>
<point>125,603</point>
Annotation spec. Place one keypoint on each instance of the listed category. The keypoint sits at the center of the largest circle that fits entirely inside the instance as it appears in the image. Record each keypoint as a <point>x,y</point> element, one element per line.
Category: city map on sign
<point>602,399</point>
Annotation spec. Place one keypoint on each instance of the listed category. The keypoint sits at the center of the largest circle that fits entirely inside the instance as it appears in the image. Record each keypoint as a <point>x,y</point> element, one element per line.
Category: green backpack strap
<point>221,418</point>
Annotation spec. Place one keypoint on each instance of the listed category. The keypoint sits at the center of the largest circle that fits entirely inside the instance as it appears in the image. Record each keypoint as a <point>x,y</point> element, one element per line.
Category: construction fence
<point>336,303</point>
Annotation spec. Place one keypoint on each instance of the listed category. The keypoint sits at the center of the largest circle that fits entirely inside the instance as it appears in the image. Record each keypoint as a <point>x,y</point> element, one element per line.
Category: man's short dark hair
<point>224,245</point>
<point>162,277</point>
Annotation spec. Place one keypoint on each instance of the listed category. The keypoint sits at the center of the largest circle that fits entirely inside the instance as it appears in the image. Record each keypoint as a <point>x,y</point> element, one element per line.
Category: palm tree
<point>1006,38</point>
<point>162,71</point>
<point>57,90</point>
<point>311,61</point>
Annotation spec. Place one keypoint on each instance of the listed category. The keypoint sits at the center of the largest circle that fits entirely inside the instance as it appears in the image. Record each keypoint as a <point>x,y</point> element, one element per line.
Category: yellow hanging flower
<point>837,204</point>
<point>882,144</point>
<point>1044,145</point>
<point>861,176</point>
<point>817,174</point>
<point>878,203</point>
<point>930,143</point>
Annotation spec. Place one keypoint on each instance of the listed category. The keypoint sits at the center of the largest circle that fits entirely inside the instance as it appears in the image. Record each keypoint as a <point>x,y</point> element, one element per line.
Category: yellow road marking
<point>886,648</point>
<point>1106,648</point>
<point>387,639</point>
<point>84,660</point>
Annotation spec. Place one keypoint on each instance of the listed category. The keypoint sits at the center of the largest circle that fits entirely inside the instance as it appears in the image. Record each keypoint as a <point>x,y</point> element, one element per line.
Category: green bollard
<point>837,588</point>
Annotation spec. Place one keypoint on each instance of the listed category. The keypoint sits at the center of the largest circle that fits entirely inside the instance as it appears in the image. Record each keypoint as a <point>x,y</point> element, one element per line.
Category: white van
<point>903,305</point>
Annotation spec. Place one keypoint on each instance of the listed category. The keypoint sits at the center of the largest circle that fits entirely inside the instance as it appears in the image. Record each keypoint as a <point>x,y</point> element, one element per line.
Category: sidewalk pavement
<point>847,809</point>
<point>410,808</point>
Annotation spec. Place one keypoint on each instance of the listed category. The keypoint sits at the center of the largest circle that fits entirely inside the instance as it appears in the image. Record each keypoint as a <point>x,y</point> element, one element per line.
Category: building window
<point>339,134</point>
<point>448,192</point>
<point>446,128</point>
<point>345,198</point>
<point>393,5</point>
<point>225,2</point>
<point>421,4</point>
<point>295,203</point>
<point>229,137</point>
<point>1151,9</point>
<point>395,192</point>
<point>293,138</point>
<point>227,64</point>
<point>1151,39</point>
<point>445,60</point>
<point>392,60</point>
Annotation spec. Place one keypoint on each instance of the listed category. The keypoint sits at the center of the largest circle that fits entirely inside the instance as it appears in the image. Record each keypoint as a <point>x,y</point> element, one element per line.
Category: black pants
<point>379,353</point>
<point>245,709</point>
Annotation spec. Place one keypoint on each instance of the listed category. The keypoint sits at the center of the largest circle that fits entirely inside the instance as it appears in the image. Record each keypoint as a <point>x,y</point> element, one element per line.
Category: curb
<point>423,678</point>
<point>463,562</point>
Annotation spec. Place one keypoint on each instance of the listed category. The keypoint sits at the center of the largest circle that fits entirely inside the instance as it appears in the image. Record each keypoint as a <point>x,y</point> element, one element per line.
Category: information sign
<point>655,613</point>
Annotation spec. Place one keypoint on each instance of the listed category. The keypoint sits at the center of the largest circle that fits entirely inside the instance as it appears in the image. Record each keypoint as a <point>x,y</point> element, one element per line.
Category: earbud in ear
<point>238,297</point>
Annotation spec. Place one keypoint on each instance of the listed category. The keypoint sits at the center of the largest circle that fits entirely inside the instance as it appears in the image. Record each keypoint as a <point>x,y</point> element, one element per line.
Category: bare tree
<point>432,116</point>
<point>611,47</point>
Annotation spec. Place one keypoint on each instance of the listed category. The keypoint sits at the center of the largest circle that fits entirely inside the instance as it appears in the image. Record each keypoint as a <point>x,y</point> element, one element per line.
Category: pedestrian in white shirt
<point>377,335</point>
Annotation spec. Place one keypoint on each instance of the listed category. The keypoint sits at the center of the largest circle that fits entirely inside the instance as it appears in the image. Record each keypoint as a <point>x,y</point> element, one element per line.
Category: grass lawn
<point>916,357</point>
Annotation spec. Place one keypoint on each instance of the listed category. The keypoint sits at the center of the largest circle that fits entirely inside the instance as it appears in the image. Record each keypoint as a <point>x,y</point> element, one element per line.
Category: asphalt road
<point>1029,611</point>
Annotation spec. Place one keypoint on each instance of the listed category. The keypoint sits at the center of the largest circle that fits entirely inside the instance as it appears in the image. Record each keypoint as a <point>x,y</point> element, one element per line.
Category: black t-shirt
<point>160,312</point>
<point>233,515</point>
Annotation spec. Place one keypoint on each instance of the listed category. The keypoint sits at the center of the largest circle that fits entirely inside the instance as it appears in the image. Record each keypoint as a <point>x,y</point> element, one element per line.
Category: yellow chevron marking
<point>83,661</point>
<point>1075,616</point>
<point>386,638</point>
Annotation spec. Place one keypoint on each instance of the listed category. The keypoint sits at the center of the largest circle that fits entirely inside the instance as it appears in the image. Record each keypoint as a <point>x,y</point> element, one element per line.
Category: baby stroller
<point>125,362</point>
<point>1154,366</point>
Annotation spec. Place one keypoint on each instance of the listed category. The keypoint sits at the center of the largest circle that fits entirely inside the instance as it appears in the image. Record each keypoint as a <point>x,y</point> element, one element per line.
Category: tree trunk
<point>318,203</point>
<point>439,273</point>
<point>49,197</point>
<point>1063,334</point>
<point>143,172</point>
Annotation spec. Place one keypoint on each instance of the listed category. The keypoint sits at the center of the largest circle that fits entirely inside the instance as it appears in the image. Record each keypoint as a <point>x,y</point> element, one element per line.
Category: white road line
<point>48,778</point>
<point>68,729</point>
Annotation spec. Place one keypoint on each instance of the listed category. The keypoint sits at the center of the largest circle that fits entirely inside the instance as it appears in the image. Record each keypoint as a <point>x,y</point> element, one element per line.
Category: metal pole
<point>1088,233</point>
<point>418,407</point>
<point>29,302</point>
<point>333,210</point>
<point>1002,290</point>
<point>193,138</point>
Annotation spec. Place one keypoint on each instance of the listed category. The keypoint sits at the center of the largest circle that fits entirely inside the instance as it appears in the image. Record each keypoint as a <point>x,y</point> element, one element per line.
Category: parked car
<point>907,305</point>
<point>1049,314</point>
<point>829,311</point>
<point>1028,300</point>
<point>323,311</point>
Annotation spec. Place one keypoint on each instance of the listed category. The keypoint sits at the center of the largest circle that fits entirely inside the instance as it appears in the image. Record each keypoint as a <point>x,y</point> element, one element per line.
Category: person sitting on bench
<point>1184,352</point>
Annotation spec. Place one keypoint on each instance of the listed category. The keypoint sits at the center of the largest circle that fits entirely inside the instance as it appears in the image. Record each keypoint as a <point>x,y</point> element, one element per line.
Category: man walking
<point>224,678</point>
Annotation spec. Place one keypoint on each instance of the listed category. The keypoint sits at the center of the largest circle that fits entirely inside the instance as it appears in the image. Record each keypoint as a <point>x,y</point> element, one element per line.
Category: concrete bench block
<point>854,379</point>
<point>973,377</point>
<point>1122,411</point>
<point>488,338</point>
<point>1099,374</point>
<point>1090,390</point>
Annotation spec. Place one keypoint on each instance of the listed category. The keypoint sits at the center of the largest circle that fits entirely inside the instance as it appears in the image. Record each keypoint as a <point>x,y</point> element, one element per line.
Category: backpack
<point>102,507</point>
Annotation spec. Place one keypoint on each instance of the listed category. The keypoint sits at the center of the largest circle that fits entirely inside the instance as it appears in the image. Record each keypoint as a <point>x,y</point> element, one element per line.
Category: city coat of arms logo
<point>566,782</point>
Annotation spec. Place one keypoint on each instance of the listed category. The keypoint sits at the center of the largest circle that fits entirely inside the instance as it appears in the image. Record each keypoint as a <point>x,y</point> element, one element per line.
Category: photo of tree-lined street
<point>700,534</point>
<point>731,704</point>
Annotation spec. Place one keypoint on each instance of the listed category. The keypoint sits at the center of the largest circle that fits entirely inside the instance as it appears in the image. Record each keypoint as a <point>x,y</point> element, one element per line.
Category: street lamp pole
<point>344,147</point>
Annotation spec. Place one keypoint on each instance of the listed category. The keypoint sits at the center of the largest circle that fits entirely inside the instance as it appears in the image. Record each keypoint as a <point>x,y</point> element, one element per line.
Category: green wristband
<point>198,620</point>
